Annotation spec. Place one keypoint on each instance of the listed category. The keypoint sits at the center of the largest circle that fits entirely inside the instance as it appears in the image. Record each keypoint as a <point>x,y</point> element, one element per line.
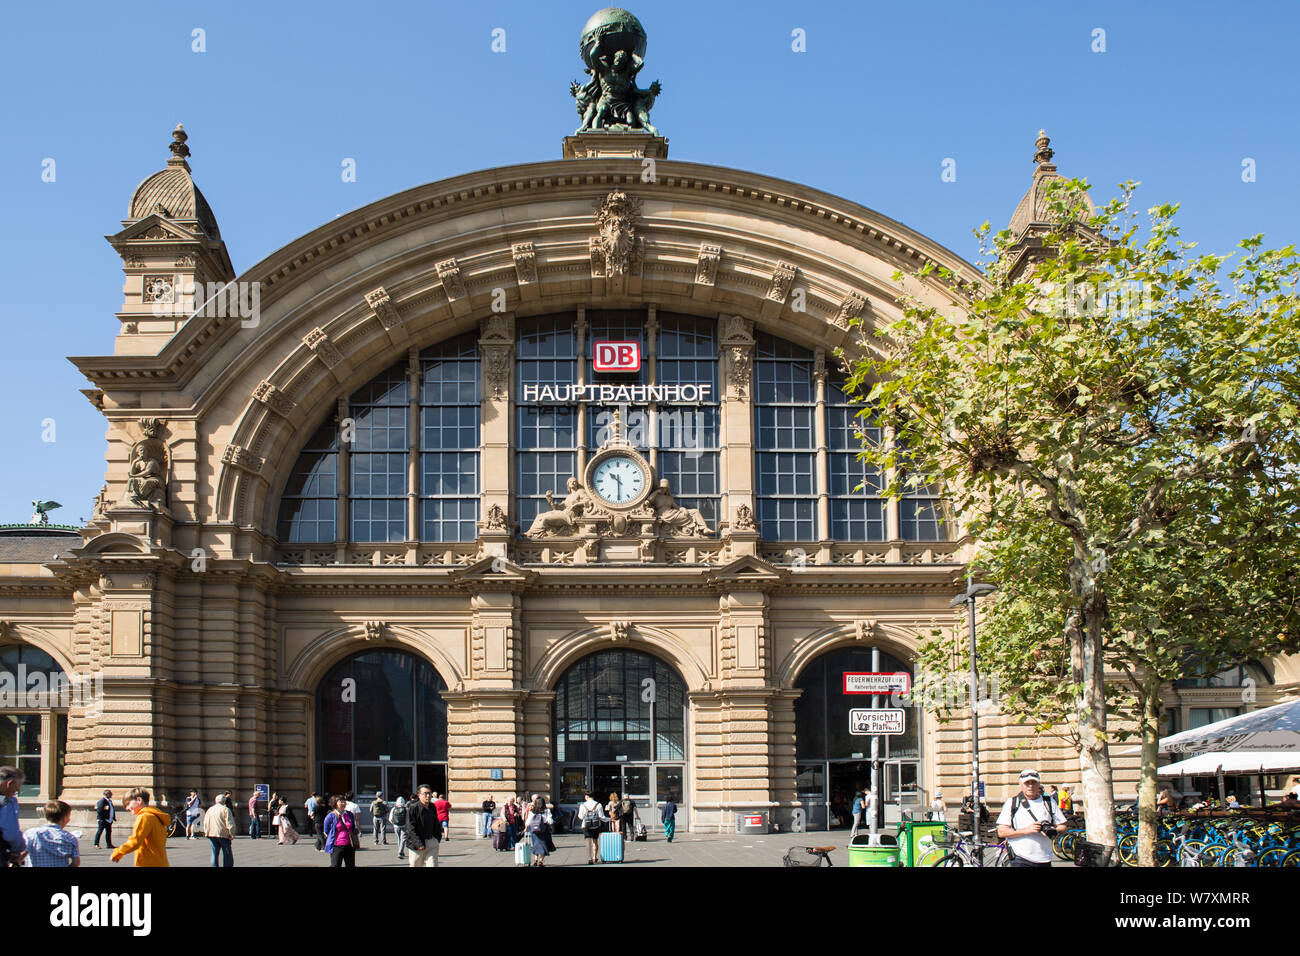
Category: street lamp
<point>973,591</point>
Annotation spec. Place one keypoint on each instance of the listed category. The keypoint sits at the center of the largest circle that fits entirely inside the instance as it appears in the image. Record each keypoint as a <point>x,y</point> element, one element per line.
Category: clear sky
<point>884,93</point>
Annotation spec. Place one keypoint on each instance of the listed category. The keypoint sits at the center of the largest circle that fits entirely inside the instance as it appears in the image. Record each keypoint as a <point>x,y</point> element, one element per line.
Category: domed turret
<point>171,192</point>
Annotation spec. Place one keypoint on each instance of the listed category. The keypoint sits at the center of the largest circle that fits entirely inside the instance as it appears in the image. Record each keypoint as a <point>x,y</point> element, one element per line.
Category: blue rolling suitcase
<point>524,852</point>
<point>611,848</point>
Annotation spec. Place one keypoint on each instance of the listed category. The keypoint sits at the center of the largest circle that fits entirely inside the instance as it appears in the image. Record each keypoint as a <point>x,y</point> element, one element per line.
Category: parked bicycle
<point>961,850</point>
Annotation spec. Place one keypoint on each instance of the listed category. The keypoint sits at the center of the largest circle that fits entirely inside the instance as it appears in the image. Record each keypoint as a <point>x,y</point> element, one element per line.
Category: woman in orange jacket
<point>149,838</point>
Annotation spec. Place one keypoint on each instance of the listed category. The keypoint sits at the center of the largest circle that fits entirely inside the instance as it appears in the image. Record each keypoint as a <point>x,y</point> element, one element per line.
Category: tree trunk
<point>1147,816</point>
<point>1088,668</point>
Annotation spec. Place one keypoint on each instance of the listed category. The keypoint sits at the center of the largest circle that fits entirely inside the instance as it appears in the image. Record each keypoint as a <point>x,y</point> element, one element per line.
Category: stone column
<point>497,349</point>
<point>482,736</point>
<point>736,335</point>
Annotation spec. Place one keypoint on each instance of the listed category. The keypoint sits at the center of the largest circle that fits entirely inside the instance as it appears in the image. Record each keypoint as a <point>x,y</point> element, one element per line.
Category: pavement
<point>687,849</point>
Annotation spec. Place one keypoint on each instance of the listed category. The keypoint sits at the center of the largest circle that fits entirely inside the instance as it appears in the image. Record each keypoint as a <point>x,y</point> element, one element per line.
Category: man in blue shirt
<point>51,845</point>
<point>13,848</point>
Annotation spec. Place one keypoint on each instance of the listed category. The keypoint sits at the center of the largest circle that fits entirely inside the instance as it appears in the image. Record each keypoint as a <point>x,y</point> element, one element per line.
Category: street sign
<point>754,821</point>
<point>877,682</point>
<point>496,775</point>
<point>886,721</point>
<point>263,792</point>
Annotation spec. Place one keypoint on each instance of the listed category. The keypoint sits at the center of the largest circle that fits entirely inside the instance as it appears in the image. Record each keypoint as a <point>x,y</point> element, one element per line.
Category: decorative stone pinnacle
<point>1044,153</point>
<point>179,150</point>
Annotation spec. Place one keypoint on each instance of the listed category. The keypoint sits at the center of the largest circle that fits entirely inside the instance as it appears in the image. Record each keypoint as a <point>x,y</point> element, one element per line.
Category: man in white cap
<point>938,809</point>
<point>1026,822</point>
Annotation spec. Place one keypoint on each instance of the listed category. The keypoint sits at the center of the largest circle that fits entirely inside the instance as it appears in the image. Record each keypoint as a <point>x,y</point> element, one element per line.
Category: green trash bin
<point>915,835</point>
<point>860,855</point>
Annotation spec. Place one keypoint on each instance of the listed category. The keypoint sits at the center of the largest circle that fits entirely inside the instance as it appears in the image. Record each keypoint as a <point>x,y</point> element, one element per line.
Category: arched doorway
<point>381,726</point>
<point>34,697</point>
<point>620,727</point>
<point>832,763</point>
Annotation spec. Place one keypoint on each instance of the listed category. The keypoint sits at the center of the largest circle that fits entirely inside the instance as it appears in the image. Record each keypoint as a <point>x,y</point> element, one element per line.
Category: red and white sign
<point>754,821</point>
<point>877,682</point>
<point>617,356</point>
<point>871,723</point>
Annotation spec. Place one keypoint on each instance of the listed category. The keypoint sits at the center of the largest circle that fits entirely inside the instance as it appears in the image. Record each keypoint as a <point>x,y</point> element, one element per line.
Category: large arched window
<point>386,436</point>
<point>546,454</point>
<point>785,406</point>
<point>34,695</point>
<point>381,724</point>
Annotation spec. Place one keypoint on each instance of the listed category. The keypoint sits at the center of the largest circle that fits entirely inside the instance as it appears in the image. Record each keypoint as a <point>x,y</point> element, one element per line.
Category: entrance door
<point>845,779</point>
<point>639,785</point>
<point>644,783</point>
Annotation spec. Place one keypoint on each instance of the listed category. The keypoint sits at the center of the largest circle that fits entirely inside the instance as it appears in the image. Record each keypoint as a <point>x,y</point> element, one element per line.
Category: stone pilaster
<point>483,735</point>
<point>738,763</point>
<point>736,336</point>
<point>497,345</point>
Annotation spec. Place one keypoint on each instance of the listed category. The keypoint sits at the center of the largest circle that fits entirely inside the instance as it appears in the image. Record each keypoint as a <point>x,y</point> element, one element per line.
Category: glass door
<point>637,786</point>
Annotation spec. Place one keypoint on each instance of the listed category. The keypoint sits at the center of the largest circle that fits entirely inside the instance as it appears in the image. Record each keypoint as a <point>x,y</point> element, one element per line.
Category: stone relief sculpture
<point>146,483</point>
<point>616,249</point>
<point>613,50</point>
<point>562,519</point>
<point>673,519</point>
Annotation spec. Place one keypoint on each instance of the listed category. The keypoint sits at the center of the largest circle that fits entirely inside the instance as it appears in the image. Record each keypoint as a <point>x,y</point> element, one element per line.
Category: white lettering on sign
<point>607,394</point>
<point>616,356</point>
<point>877,682</point>
<point>885,721</point>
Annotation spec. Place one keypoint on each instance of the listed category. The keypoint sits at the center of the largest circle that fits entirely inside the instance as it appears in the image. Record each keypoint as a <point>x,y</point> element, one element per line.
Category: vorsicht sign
<point>885,721</point>
<point>616,356</point>
<point>877,682</point>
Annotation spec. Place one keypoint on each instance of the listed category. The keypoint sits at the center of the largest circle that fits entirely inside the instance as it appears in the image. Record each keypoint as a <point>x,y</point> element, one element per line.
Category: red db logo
<point>617,357</point>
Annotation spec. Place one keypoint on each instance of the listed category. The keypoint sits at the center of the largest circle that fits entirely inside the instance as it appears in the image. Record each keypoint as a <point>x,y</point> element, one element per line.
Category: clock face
<point>618,479</point>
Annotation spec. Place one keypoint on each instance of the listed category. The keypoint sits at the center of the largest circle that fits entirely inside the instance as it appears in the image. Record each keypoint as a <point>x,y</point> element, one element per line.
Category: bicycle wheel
<point>1291,859</point>
<point>1212,855</point>
<point>931,856</point>
<point>1276,855</point>
<point>950,859</point>
<point>1164,853</point>
<point>1058,846</point>
<point>1128,849</point>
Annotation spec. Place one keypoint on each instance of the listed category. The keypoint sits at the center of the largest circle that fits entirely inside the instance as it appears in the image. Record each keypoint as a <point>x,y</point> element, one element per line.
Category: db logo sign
<point>617,357</point>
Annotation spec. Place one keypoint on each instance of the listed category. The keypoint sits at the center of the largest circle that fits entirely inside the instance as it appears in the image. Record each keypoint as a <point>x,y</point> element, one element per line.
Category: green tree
<point>1091,398</point>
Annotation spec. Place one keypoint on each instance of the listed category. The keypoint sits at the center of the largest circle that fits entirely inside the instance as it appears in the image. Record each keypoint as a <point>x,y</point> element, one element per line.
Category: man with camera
<point>1027,823</point>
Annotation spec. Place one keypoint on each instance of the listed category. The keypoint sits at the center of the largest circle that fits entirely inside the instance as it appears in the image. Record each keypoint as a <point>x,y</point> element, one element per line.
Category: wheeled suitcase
<point>640,833</point>
<point>500,840</point>
<point>611,848</point>
<point>524,852</point>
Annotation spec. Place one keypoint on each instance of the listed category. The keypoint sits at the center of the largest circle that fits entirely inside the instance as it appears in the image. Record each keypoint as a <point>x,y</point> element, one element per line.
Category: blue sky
<point>884,93</point>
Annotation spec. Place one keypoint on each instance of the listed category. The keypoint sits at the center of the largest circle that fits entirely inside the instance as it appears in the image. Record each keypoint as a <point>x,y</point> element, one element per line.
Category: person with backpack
<point>1027,822</point>
<point>378,815</point>
<point>537,824</point>
<point>592,819</point>
<point>397,817</point>
<point>627,810</point>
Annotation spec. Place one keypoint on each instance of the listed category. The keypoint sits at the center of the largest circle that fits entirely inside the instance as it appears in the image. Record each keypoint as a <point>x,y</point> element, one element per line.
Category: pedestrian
<point>148,839</point>
<point>378,817</point>
<point>341,836</point>
<point>309,818</point>
<point>288,831</point>
<point>510,821</point>
<point>668,814</point>
<point>52,844</point>
<point>938,809</point>
<point>1053,795</point>
<point>423,829</point>
<point>443,806</point>
<point>615,814</point>
<point>627,809</point>
<point>273,813</point>
<point>1063,800</point>
<point>193,814</point>
<point>1165,802</point>
<point>489,808</point>
<point>318,821</point>
<point>254,824</point>
<point>1027,822</point>
<point>219,828</point>
<point>13,848</point>
<point>105,814</point>
<point>859,804</point>
<point>537,824</point>
<point>591,817</point>
<point>397,817</point>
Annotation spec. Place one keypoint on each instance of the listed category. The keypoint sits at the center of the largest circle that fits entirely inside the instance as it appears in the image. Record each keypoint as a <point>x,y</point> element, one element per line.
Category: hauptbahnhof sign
<point>606,394</point>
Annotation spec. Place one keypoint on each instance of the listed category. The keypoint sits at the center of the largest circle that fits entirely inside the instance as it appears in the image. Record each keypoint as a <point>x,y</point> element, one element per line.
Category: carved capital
<point>850,308</point>
<point>381,304</point>
<point>452,281</point>
<point>274,399</point>
<point>744,518</point>
<point>495,520</point>
<point>242,459</point>
<point>737,330</point>
<point>706,266</point>
<point>525,262</point>
<point>318,341</point>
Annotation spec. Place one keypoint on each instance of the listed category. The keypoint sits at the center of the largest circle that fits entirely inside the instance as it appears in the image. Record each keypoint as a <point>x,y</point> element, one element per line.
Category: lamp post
<point>972,592</point>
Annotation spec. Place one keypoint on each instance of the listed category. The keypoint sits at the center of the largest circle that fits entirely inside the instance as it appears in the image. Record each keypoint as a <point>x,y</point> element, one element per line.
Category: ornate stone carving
<point>373,631</point>
<point>562,520</point>
<point>613,47</point>
<point>706,267</point>
<point>819,365</point>
<point>496,519</point>
<point>673,519</point>
<point>620,630</point>
<point>525,262</point>
<point>274,399</point>
<point>130,328</point>
<point>850,308</point>
<point>498,328</point>
<point>146,483</point>
<point>133,262</point>
<point>452,282</point>
<point>496,371</point>
<point>155,232</point>
<point>782,280</point>
<point>100,505</point>
<point>744,519</point>
<point>739,375</point>
<point>242,459</point>
<point>617,249</point>
<point>159,289</point>
<point>381,304</point>
<point>318,341</point>
<point>864,630</point>
<point>737,330</point>
<point>185,261</point>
